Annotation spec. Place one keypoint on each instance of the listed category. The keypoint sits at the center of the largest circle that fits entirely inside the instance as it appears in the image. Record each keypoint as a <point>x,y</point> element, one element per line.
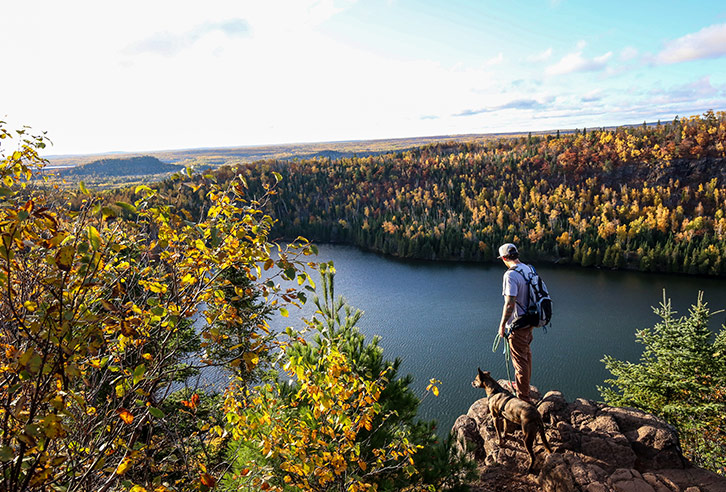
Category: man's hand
<point>503,331</point>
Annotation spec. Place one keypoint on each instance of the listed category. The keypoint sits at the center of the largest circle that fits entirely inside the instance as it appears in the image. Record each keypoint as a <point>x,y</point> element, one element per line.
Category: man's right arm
<point>509,304</point>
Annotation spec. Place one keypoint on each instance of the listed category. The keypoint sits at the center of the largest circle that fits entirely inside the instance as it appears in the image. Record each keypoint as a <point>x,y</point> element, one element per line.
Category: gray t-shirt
<point>515,285</point>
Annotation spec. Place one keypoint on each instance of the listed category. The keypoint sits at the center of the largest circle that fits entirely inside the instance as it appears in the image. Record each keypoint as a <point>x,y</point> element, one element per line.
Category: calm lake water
<point>440,319</point>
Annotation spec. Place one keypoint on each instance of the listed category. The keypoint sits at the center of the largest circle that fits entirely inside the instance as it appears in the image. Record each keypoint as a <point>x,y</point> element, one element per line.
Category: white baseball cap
<point>507,250</point>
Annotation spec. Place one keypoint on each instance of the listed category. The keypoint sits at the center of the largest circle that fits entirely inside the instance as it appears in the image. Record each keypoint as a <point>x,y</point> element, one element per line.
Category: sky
<point>159,75</point>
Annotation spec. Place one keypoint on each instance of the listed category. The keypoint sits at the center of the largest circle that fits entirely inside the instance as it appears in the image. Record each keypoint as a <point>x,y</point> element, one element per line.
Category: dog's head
<point>485,380</point>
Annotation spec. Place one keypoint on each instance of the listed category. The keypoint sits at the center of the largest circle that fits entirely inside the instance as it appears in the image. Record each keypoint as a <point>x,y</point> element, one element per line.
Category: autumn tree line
<point>647,197</point>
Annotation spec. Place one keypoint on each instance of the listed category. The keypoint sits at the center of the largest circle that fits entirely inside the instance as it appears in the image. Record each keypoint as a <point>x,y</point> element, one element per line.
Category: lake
<point>440,319</point>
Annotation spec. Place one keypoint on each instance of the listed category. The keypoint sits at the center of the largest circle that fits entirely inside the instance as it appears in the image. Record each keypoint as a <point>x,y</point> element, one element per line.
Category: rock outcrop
<point>597,448</point>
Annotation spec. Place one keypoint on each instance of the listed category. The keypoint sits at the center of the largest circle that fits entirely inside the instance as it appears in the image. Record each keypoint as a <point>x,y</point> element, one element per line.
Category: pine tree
<point>681,377</point>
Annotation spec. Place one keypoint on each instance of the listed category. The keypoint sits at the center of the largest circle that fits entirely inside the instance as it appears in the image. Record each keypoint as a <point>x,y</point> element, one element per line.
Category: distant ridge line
<point>216,156</point>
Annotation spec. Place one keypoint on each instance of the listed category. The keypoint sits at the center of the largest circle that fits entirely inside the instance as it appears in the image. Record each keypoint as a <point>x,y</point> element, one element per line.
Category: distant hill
<point>215,157</point>
<point>126,166</point>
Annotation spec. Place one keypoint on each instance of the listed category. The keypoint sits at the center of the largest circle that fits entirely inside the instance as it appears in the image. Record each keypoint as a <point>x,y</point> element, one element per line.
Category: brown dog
<point>504,406</point>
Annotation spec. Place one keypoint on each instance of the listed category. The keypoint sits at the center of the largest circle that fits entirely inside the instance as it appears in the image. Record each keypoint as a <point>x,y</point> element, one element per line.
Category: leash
<point>507,357</point>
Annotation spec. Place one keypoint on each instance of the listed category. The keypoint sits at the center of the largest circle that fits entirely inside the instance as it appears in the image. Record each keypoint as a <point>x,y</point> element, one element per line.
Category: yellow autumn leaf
<point>64,257</point>
<point>123,466</point>
<point>251,360</point>
<point>199,244</point>
<point>188,279</point>
<point>94,237</point>
<point>156,287</point>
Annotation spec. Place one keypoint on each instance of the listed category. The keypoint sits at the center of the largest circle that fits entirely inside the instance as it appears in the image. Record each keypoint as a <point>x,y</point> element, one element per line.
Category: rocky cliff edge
<point>596,448</point>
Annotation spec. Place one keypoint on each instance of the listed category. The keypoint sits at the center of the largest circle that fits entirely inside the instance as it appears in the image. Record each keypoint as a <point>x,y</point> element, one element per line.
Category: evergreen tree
<point>692,395</point>
<point>247,327</point>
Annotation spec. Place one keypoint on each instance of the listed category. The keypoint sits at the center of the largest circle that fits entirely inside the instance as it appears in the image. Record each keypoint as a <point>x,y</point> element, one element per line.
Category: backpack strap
<point>526,279</point>
<point>515,269</point>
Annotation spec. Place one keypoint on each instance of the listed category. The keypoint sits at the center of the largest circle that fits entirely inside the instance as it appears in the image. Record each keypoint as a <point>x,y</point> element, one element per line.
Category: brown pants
<point>519,342</point>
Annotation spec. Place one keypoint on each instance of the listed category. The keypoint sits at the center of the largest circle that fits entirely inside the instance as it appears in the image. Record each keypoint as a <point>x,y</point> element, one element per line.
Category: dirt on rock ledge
<point>596,448</point>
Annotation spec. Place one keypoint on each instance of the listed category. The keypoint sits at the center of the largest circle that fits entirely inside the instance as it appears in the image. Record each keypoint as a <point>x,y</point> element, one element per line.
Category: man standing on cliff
<point>519,334</point>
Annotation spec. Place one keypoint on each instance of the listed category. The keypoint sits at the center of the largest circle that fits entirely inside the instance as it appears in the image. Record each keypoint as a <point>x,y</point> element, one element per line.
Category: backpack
<point>539,310</point>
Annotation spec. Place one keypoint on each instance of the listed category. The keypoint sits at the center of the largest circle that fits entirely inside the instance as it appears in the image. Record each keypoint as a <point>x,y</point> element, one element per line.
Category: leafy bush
<point>97,306</point>
<point>344,421</point>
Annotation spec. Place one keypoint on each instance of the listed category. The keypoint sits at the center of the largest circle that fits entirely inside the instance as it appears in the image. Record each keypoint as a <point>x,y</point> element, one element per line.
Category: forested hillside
<point>649,197</point>
<point>127,166</point>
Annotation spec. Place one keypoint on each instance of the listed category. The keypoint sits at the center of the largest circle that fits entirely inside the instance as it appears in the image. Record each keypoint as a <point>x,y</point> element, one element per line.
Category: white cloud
<point>628,53</point>
<point>700,90</point>
<point>496,60</point>
<point>575,62</point>
<point>540,57</point>
<point>592,96</point>
<point>169,44</point>
<point>709,42</point>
